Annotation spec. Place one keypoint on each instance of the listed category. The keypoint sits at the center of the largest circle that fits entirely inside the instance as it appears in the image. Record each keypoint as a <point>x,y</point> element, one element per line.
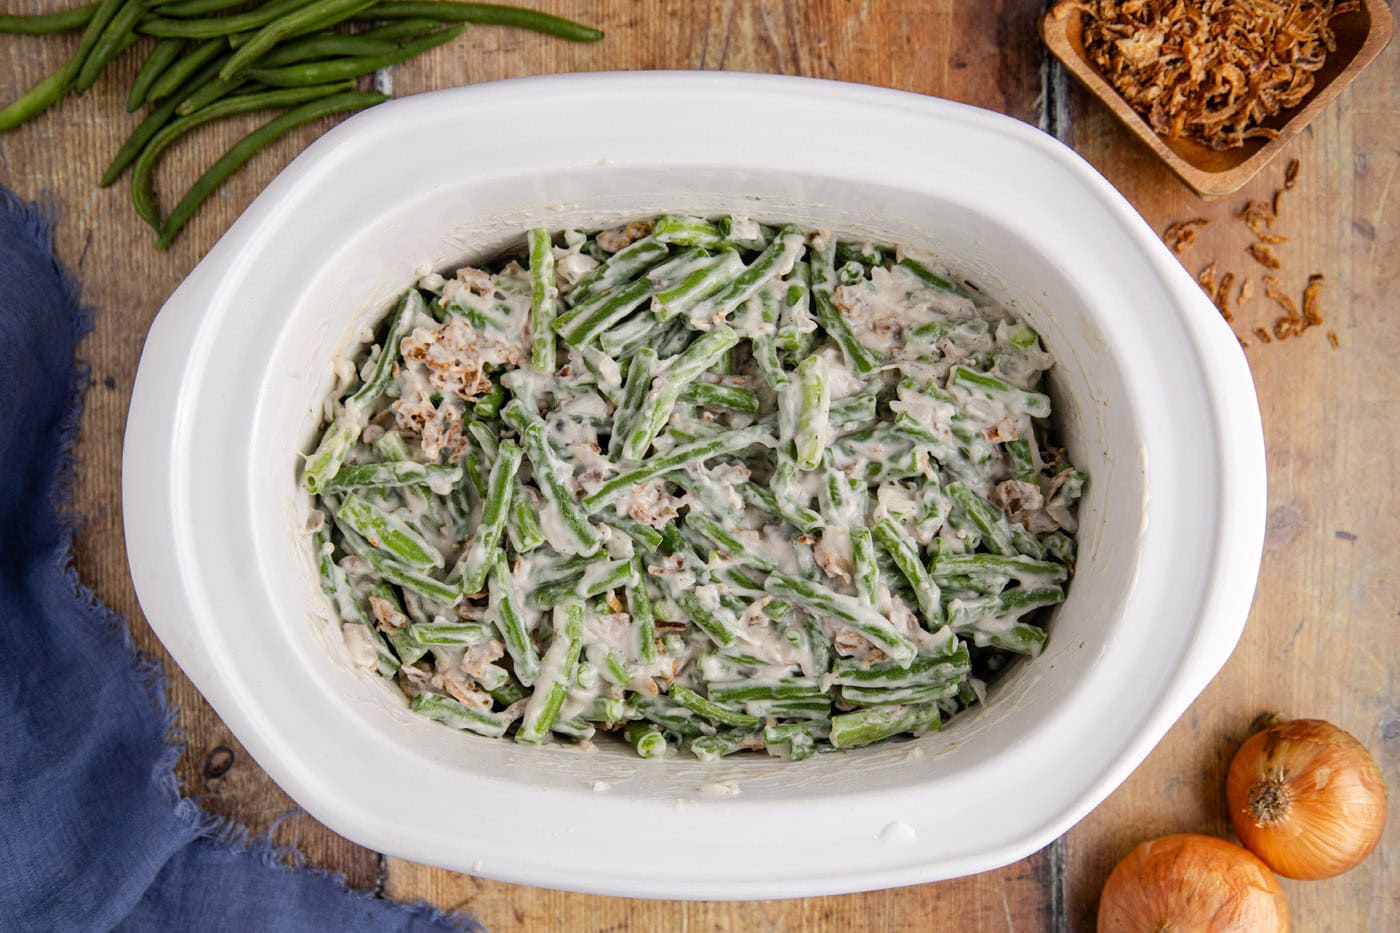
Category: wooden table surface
<point>1321,639</point>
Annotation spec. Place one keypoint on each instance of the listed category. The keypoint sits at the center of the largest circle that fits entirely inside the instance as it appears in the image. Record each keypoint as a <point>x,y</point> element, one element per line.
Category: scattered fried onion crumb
<point>1222,295</point>
<point>1312,300</point>
<point>1218,286</point>
<point>1182,234</point>
<point>1263,254</point>
<point>1211,70</point>
<point>1260,217</point>
<point>1206,279</point>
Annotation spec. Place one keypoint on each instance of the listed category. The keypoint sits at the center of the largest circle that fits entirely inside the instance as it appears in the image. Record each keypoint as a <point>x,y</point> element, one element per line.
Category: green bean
<point>800,517</point>
<point>714,747</point>
<point>219,26</point>
<point>142,195</point>
<point>244,149</point>
<point>522,526</point>
<point>1024,569</point>
<point>643,617</point>
<point>705,280</point>
<point>777,260</point>
<point>898,696</point>
<point>905,554</point>
<point>580,537</point>
<point>458,715</point>
<point>932,279</point>
<point>338,69</point>
<point>331,450</point>
<point>450,633</point>
<point>392,474</point>
<point>109,44</point>
<point>543,300</point>
<point>507,615</point>
<point>488,14</point>
<point>948,669</point>
<point>399,30</point>
<point>44,24</point>
<point>585,322</point>
<point>181,70</point>
<point>874,627</point>
<point>49,90</point>
<point>209,92</point>
<point>321,13</point>
<point>557,670</point>
<point>989,520</point>
<point>395,572</point>
<point>726,443</point>
<point>813,413</point>
<point>717,395</point>
<point>153,123</point>
<point>709,710</point>
<point>641,369</point>
<point>620,268</point>
<point>647,739</point>
<point>860,357</point>
<point>157,60</point>
<point>39,98</point>
<point>759,691</point>
<point>475,563</point>
<point>713,531</point>
<point>983,386</point>
<point>388,533</point>
<point>865,568</point>
<point>196,7</point>
<point>872,725</point>
<point>670,382</point>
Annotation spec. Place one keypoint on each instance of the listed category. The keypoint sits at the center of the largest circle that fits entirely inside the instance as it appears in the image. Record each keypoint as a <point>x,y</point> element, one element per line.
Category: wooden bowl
<point>1211,173</point>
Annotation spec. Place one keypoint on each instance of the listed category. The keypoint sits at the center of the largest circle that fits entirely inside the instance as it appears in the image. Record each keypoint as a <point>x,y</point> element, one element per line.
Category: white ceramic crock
<point>1154,391</point>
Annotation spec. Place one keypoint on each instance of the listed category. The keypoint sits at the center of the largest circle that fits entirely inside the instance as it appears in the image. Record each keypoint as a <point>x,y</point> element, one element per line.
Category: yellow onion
<point>1191,883</point>
<point>1307,798</point>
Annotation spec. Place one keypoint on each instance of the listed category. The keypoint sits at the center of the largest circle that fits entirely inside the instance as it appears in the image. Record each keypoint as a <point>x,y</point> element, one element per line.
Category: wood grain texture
<point>1322,640</point>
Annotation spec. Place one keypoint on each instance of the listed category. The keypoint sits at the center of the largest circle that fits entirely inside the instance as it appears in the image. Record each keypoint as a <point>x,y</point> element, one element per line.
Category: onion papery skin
<point>1307,798</point>
<point>1194,883</point>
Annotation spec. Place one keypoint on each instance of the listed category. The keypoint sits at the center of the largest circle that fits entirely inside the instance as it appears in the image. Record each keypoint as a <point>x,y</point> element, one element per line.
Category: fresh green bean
<point>162,54</point>
<point>220,26</point>
<point>321,13</point>
<point>142,193</point>
<point>488,14</point>
<point>153,123</point>
<point>245,148</point>
<point>44,24</point>
<point>109,44</point>
<point>338,69</point>
<point>184,68</point>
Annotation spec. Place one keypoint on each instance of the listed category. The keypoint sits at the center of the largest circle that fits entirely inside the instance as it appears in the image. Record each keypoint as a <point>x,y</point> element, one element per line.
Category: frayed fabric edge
<point>38,218</point>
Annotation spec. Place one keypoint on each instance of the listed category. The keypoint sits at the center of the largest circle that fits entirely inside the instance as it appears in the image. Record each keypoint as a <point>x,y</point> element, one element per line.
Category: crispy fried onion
<point>1210,70</point>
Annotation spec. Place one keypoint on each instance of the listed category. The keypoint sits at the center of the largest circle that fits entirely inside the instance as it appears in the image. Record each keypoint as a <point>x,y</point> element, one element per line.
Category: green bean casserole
<point>706,484</point>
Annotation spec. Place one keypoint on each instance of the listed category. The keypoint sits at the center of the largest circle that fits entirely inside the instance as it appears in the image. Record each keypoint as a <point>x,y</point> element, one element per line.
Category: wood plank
<point>1013,898</point>
<point>1321,641</point>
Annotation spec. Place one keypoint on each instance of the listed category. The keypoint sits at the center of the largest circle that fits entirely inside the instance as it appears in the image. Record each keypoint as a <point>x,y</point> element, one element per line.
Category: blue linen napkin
<point>93,832</point>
